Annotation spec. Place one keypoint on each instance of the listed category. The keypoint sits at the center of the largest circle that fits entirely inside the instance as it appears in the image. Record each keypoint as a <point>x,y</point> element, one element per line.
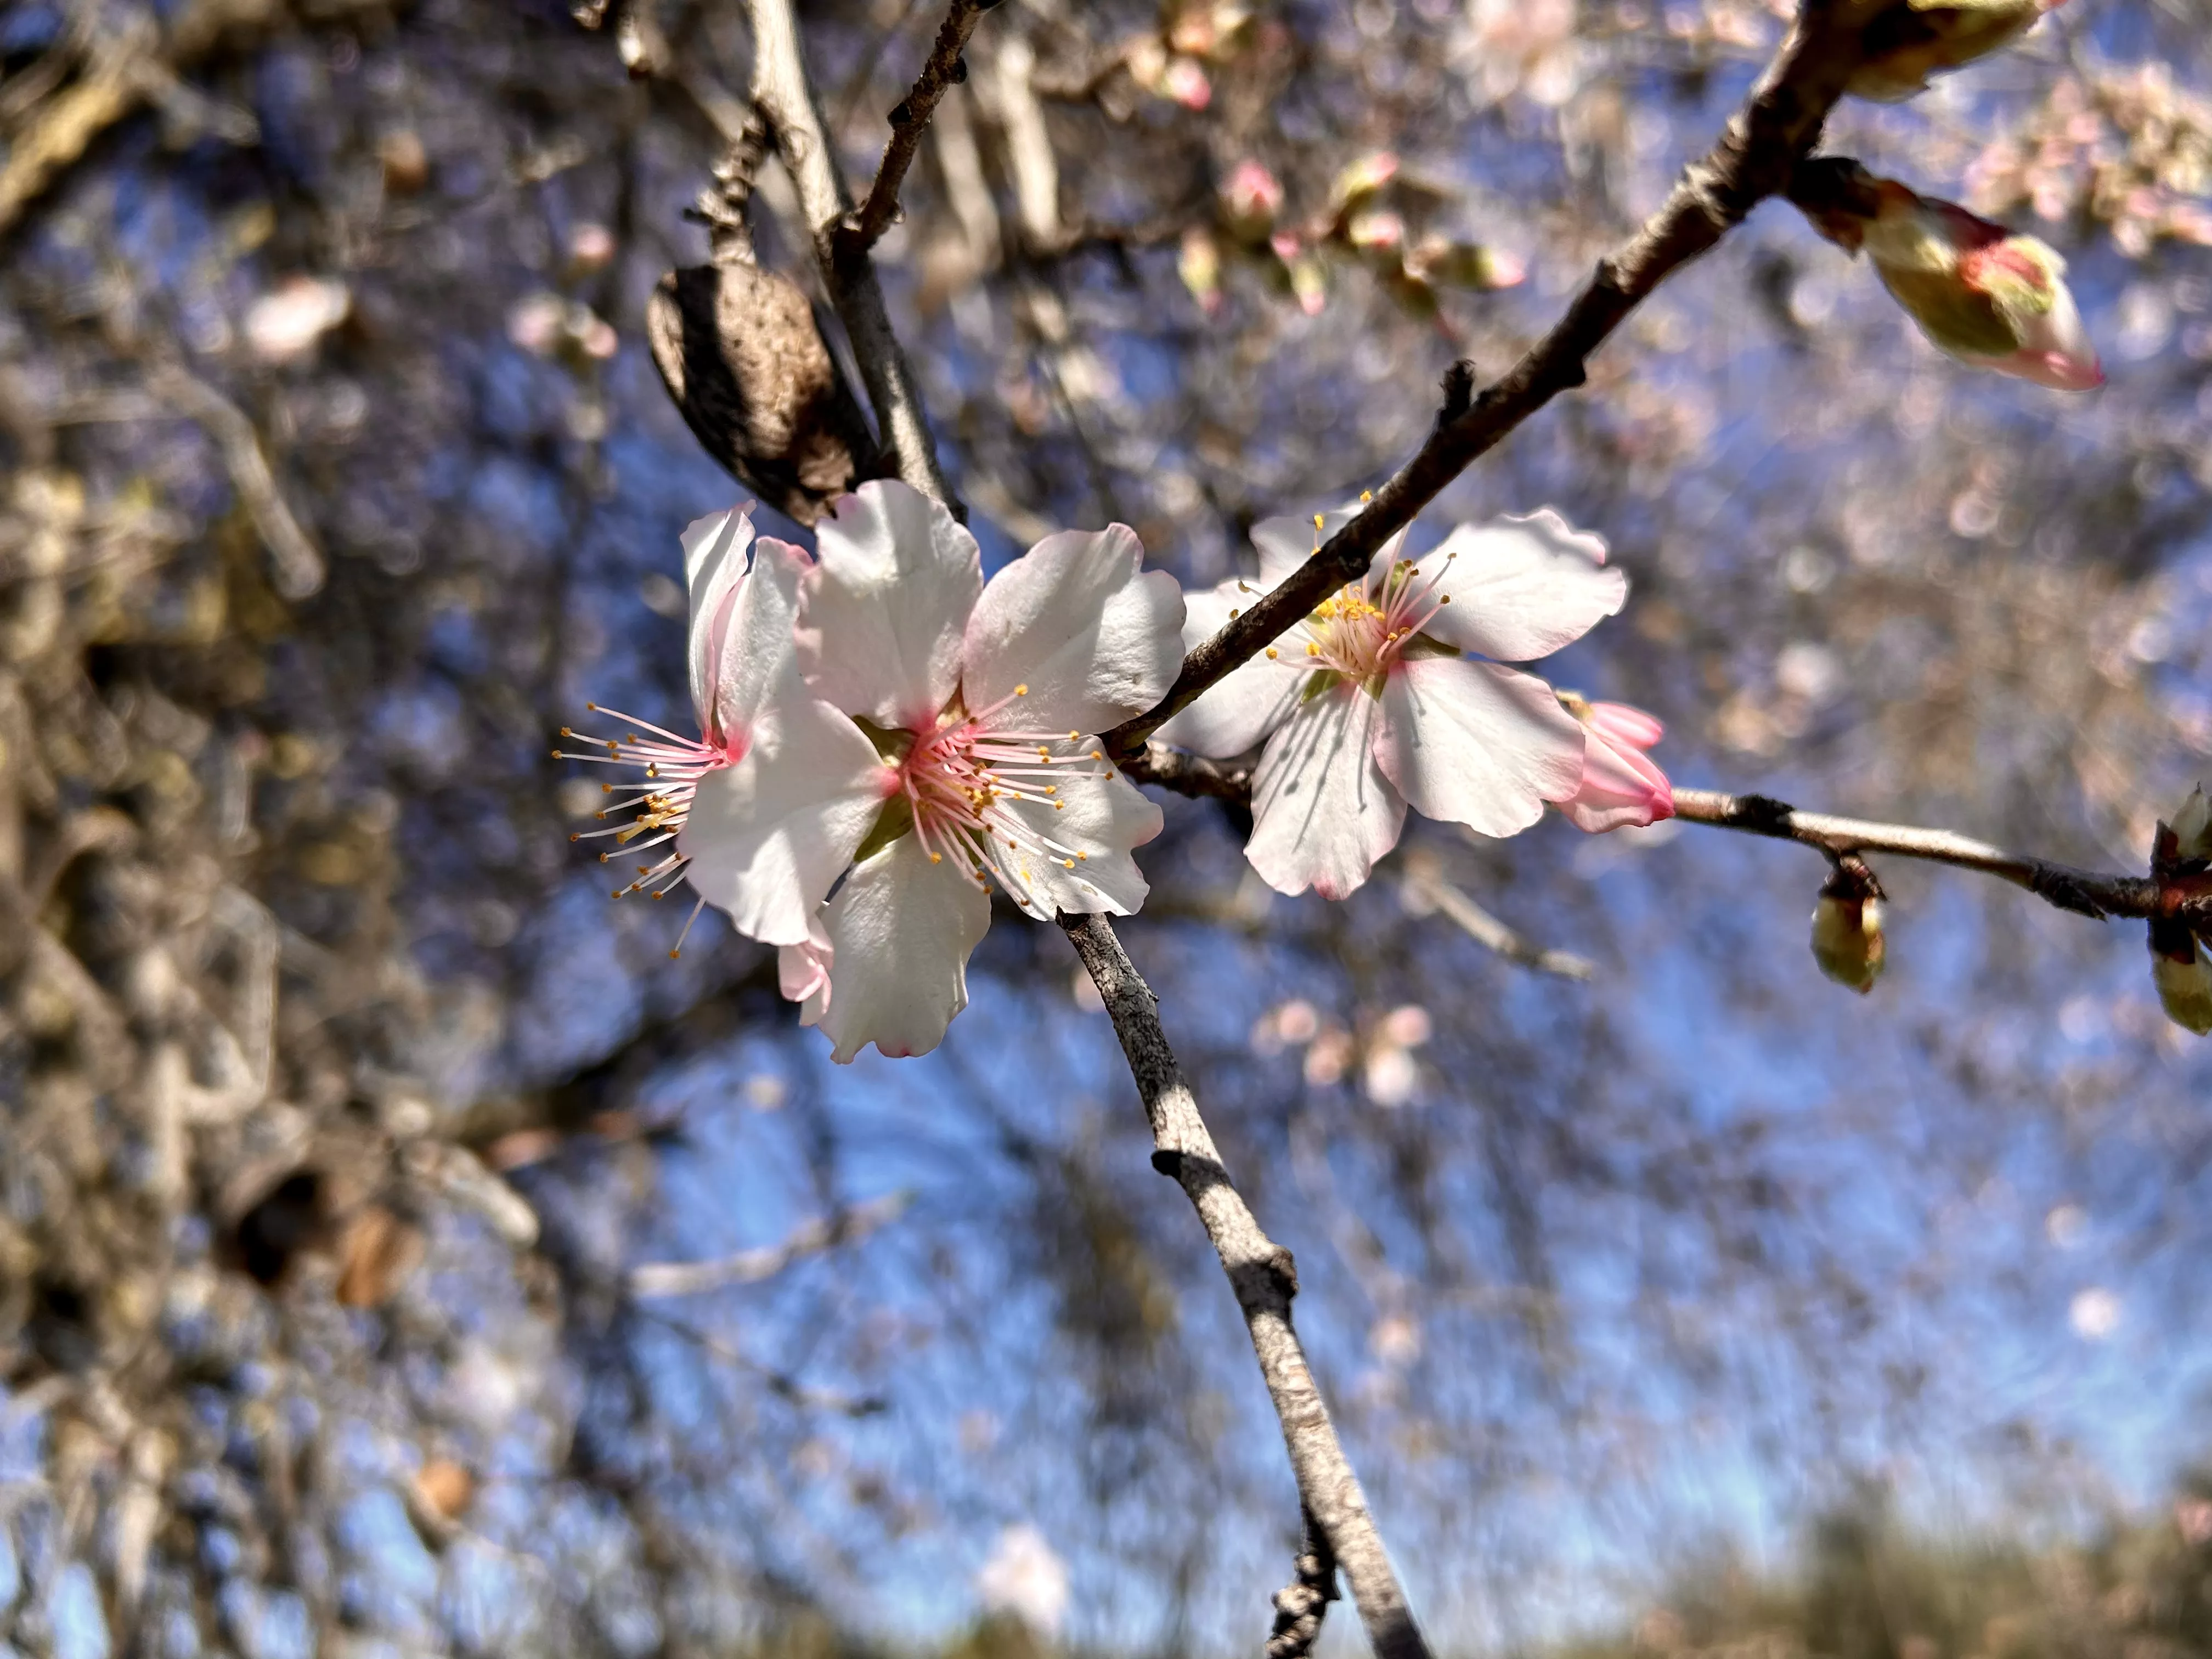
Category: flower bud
<point>1621,785</point>
<point>2183,977</point>
<point>2181,864</point>
<point>1916,38</point>
<point>1847,939</point>
<point>1979,292</point>
<point>1199,264</point>
<point>1250,199</point>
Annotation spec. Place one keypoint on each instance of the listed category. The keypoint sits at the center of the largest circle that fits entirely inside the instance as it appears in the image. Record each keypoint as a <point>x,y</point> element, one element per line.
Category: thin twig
<point>1754,159</point>
<point>811,1238</point>
<point>786,99</point>
<point>1426,888</point>
<point>944,70</point>
<point>1264,1278</point>
<point>2085,892</point>
<point>299,563</point>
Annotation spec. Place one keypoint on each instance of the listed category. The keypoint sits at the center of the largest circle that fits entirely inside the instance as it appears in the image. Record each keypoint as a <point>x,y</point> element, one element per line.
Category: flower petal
<point>1322,810</point>
<point>768,835</point>
<point>1240,708</point>
<point>1521,588</point>
<point>1077,620</point>
<point>802,973</point>
<point>1474,744</point>
<point>717,550</point>
<point>1082,862</point>
<point>900,929</point>
<point>1621,785</point>
<point>755,658</point>
<point>880,616</point>
<point>1625,723</point>
<point>2057,350</point>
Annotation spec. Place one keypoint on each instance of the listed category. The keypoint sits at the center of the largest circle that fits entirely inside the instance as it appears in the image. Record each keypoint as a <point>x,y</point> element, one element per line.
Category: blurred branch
<point>2085,892</point>
<point>1426,888</point>
<point>1754,159</point>
<point>300,568</point>
<point>944,69</point>
<point>1265,1279</point>
<point>810,1237</point>
<point>784,97</point>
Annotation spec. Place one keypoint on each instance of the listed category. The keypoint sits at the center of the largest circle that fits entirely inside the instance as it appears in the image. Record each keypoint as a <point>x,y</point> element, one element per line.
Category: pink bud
<point>1251,198</point>
<point>1979,292</point>
<point>1186,83</point>
<point>1620,785</point>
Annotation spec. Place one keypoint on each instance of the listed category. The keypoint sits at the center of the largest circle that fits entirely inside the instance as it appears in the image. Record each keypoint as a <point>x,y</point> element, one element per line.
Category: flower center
<point>966,781</point>
<point>672,766</point>
<point>1359,633</point>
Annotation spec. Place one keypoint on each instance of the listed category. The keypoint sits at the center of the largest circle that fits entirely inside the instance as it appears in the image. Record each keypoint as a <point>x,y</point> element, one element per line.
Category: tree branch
<point>1190,775</point>
<point>786,99</point>
<point>944,70</point>
<point>1754,159</point>
<point>2085,892</point>
<point>1265,1279</point>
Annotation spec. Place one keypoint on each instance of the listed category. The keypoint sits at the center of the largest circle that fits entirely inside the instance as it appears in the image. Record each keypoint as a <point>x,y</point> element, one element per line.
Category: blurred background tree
<point>399,1253</point>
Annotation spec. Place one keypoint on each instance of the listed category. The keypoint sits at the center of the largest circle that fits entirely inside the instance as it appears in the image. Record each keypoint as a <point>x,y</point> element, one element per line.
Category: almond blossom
<point>1367,705</point>
<point>764,810</point>
<point>982,701</point>
<point>1620,787</point>
<point>1979,292</point>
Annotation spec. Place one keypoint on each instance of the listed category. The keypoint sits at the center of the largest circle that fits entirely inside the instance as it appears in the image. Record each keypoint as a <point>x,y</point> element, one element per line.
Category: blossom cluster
<point>885,738</point>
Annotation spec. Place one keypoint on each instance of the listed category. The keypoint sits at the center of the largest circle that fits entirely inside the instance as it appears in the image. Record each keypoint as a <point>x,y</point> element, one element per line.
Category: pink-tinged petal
<point>1624,723</point>
<point>802,973</point>
<point>900,929</point>
<point>1086,864</point>
<point>717,551</point>
<point>1621,785</point>
<point>2057,350</point>
<point>880,617</point>
<point>1322,811</point>
<point>1079,620</point>
<point>767,837</point>
<point>1521,587</point>
<point>1240,709</point>
<point>1474,744</point>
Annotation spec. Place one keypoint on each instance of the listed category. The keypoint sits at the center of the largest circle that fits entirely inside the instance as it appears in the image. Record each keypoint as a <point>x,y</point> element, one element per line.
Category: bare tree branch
<point>1265,1279</point>
<point>1426,888</point>
<point>1754,159</point>
<point>1190,775</point>
<point>786,99</point>
<point>2085,892</point>
<point>944,69</point>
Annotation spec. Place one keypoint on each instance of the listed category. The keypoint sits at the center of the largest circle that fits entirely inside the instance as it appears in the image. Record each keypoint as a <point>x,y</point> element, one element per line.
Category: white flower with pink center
<point>764,810</point>
<point>983,700</point>
<point>1369,705</point>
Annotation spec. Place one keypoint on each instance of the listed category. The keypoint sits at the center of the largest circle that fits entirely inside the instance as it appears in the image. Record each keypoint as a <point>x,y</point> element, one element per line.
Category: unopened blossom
<point>1251,197</point>
<point>1847,932</point>
<point>2179,965</point>
<point>1916,38</point>
<point>983,700</point>
<point>1368,704</point>
<point>1979,292</point>
<point>1621,785</point>
<point>762,810</point>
